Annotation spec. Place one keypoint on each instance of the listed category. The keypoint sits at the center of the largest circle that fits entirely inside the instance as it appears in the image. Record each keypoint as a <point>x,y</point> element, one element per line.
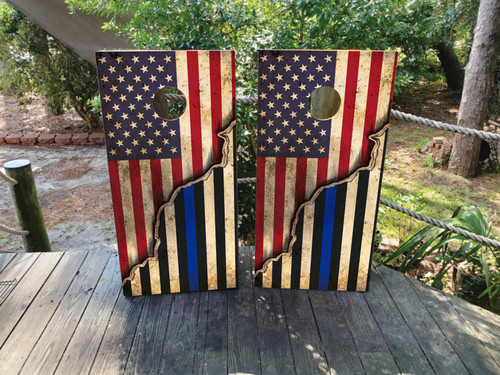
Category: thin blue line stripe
<point>326,243</point>
<point>191,244</point>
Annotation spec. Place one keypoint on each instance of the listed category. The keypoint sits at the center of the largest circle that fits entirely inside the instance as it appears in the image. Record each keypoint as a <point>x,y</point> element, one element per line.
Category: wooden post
<point>29,213</point>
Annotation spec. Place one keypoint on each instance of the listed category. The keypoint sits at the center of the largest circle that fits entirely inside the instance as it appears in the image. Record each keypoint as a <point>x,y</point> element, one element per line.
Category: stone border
<point>52,138</point>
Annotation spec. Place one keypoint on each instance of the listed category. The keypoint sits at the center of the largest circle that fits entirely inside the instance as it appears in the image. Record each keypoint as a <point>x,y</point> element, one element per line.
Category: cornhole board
<point>172,181</point>
<point>318,180</point>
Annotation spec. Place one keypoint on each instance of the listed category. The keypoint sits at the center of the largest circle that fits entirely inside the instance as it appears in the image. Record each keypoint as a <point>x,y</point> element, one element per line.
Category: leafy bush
<point>35,63</point>
<point>453,250</point>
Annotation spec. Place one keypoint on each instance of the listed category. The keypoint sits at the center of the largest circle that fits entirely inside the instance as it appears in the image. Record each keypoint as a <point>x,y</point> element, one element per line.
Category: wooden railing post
<point>29,213</point>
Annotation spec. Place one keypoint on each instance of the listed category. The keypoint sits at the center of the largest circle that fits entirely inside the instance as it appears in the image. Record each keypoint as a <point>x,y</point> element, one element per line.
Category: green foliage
<point>453,250</point>
<point>35,63</point>
<point>410,27</point>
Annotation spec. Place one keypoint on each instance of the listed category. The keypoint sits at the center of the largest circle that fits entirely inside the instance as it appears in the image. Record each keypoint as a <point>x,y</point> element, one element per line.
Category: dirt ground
<point>73,185</point>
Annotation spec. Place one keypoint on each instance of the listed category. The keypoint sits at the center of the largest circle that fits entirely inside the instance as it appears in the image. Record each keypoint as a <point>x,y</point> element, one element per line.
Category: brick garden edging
<point>47,139</point>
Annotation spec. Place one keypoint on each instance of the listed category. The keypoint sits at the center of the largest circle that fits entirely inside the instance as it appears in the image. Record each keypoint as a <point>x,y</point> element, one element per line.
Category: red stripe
<point>392,86</point>
<point>156,182</point>
<point>322,172</point>
<point>116,195</point>
<point>348,117</point>
<point>279,205</point>
<point>259,212</point>
<point>300,182</point>
<point>194,112</point>
<point>177,178</point>
<point>371,105</point>
<point>138,206</point>
<point>216,103</point>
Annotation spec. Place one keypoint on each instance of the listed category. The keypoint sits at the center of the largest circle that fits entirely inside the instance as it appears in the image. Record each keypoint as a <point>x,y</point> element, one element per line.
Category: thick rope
<point>394,113</point>
<point>10,180</point>
<point>445,126</point>
<point>14,231</point>
<point>429,220</point>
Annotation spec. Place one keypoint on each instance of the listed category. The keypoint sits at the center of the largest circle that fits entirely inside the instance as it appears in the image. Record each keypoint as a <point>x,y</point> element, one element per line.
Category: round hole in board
<point>169,109</point>
<point>324,102</point>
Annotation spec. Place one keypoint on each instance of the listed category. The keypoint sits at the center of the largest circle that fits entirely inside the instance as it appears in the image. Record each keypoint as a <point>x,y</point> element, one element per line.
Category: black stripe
<point>319,215</point>
<point>201,242</point>
<point>357,233</point>
<point>127,289</point>
<point>297,252</point>
<point>337,235</point>
<point>180,227</point>
<point>276,280</point>
<point>235,176</point>
<point>163,255</point>
<point>258,280</point>
<point>378,204</point>
<point>145,280</point>
<point>220,230</point>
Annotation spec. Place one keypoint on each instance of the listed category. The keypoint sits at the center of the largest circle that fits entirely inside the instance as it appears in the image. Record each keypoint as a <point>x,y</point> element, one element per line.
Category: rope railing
<point>419,120</point>
<point>394,113</point>
<point>10,180</point>
<point>429,220</point>
<point>16,232</point>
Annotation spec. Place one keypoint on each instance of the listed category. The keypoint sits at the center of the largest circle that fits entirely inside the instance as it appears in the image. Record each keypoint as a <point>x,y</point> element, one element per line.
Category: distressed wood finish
<point>398,326</point>
<point>320,143</point>
<point>172,179</point>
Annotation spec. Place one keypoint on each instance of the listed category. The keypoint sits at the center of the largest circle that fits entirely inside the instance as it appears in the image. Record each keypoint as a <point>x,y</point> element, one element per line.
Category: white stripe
<point>307,229</point>
<point>185,119</point>
<point>336,127</point>
<point>270,168</point>
<point>205,108</point>
<point>360,110</point>
<point>385,89</point>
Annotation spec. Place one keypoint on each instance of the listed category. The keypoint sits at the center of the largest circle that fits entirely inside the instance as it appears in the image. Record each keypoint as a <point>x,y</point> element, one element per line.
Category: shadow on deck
<point>65,314</point>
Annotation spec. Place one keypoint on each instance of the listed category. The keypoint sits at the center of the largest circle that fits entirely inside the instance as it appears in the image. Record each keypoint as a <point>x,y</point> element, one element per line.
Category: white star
<point>151,59</point>
<point>263,58</point>
<point>296,58</point>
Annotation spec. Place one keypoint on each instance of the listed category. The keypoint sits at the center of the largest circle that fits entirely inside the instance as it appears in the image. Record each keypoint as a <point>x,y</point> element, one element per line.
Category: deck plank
<point>398,336</point>
<point>5,259</point>
<point>307,348</point>
<point>17,349</point>
<point>336,336</point>
<point>182,331</point>
<point>243,343</point>
<point>370,343</point>
<point>482,322</point>
<point>83,346</point>
<point>212,343</point>
<point>470,350</point>
<point>50,347</point>
<point>274,342</point>
<point>28,286</point>
<point>117,342</point>
<point>145,353</point>
<point>434,344</point>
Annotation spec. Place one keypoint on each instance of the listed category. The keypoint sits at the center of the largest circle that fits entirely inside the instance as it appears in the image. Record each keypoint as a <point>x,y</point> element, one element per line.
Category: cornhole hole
<point>322,130</point>
<point>171,167</point>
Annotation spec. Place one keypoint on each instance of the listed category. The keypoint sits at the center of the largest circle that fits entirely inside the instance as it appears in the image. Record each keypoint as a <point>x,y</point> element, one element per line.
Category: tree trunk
<point>449,62</point>
<point>479,72</point>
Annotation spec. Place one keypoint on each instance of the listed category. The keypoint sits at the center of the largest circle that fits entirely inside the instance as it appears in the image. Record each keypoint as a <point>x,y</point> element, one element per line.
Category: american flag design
<point>318,181</point>
<point>172,181</point>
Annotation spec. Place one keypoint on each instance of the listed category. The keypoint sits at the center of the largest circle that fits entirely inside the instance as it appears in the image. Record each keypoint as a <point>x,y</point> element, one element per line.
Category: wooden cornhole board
<point>319,178</point>
<point>172,180</point>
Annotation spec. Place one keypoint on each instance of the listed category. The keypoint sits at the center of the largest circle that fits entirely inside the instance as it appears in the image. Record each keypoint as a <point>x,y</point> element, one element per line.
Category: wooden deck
<point>66,315</point>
